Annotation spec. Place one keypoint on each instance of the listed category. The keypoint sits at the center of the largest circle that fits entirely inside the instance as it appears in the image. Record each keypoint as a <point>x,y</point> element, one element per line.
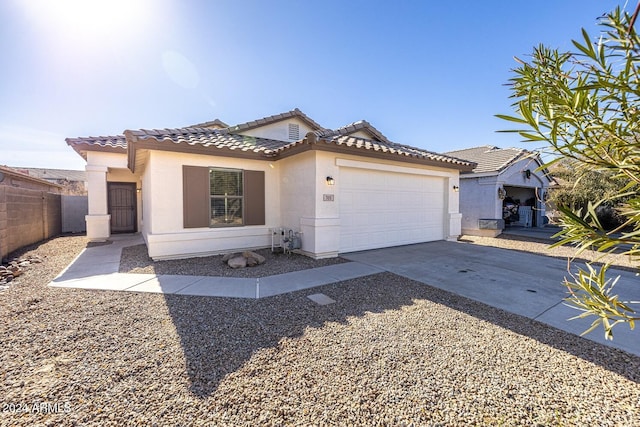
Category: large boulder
<point>237,262</point>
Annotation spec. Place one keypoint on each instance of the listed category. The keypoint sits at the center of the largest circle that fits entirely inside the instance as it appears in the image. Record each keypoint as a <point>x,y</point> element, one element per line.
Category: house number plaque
<point>327,197</point>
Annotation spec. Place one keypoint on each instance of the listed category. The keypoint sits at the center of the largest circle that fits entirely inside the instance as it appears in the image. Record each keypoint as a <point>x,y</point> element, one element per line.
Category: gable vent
<point>294,131</point>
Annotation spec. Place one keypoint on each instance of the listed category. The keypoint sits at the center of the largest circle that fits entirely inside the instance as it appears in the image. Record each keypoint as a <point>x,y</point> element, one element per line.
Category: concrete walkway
<point>97,268</point>
<point>518,282</point>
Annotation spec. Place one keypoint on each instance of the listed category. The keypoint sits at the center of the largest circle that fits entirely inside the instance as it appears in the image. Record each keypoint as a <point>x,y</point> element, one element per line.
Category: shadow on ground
<point>218,335</point>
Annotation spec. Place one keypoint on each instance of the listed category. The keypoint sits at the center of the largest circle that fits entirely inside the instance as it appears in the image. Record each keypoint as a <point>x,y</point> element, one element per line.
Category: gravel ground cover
<point>390,351</point>
<point>135,259</point>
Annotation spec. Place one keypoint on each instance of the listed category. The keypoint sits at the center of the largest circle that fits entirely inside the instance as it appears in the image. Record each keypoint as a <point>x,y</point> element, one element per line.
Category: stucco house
<point>212,188</point>
<point>505,188</point>
<point>72,181</point>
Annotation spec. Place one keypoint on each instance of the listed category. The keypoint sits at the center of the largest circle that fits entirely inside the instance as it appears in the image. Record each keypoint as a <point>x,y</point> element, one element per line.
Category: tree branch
<point>633,18</point>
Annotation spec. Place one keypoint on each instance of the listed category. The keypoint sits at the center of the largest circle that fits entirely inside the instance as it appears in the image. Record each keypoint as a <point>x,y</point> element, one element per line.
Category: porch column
<point>98,220</point>
<point>320,237</point>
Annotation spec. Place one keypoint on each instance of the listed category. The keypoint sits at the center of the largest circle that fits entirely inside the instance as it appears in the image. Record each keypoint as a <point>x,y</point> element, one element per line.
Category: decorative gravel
<point>390,351</point>
<point>135,259</point>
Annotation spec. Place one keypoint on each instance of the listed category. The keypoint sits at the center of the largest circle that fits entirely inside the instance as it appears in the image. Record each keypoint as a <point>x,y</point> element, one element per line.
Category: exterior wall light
<point>501,193</point>
<point>330,181</point>
<point>456,188</point>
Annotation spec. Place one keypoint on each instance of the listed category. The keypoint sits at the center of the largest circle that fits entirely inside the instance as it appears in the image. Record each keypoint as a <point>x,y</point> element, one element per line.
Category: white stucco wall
<point>165,234</point>
<point>297,199</point>
<point>111,160</point>
<point>298,186</point>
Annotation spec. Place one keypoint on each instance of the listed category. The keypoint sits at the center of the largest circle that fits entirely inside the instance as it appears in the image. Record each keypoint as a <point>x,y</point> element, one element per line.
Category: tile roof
<point>273,119</point>
<point>206,137</point>
<point>220,139</point>
<point>216,124</point>
<point>387,147</point>
<point>353,128</point>
<point>116,141</point>
<point>207,140</point>
<point>491,159</point>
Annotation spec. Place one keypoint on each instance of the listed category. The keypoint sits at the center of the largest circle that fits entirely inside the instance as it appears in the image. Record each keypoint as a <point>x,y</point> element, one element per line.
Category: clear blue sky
<point>425,73</point>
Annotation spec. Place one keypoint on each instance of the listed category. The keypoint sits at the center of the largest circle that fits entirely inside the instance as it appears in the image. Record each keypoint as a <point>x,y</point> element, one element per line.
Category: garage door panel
<point>379,209</point>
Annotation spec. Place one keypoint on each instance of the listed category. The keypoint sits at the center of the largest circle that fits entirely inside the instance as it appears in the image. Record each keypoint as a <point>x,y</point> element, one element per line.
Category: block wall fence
<point>27,216</point>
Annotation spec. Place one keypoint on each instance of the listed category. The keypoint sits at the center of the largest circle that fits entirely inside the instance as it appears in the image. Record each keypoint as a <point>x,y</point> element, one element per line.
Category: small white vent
<point>294,131</point>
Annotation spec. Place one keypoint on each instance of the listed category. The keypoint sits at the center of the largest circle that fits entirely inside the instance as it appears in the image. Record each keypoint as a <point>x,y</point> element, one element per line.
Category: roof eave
<point>312,142</point>
<point>83,147</point>
<point>151,143</point>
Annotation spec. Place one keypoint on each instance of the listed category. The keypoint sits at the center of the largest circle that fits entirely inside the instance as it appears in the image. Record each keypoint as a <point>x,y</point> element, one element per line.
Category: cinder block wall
<point>26,217</point>
<point>4,229</point>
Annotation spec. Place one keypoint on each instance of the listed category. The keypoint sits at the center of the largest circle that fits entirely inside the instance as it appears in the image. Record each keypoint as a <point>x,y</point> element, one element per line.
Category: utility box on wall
<point>491,224</point>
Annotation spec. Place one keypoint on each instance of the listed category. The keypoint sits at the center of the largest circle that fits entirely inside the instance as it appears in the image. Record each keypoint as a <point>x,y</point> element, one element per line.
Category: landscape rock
<point>237,262</point>
<point>250,254</point>
<point>251,259</point>
<point>16,267</point>
<point>227,257</point>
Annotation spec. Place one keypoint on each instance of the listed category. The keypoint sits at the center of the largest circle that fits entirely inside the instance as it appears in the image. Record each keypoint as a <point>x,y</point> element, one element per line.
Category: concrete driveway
<point>518,282</point>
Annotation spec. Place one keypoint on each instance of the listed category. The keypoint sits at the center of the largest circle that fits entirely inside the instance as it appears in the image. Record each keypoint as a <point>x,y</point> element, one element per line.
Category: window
<point>219,197</point>
<point>227,197</point>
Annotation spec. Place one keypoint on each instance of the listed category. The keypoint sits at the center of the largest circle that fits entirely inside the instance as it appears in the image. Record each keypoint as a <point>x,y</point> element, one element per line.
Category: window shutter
<point>195,196</point>
<point>254,198</point>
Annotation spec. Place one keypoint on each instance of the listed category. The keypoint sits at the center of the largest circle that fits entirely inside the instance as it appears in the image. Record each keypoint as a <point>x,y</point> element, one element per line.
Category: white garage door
<point>380,209</point>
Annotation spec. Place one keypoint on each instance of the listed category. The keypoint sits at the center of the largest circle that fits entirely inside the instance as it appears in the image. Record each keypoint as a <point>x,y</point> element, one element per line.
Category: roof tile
<point>490,158</point>
<point>231,138</point>
<point>117,141</point>
<point>275,118</point>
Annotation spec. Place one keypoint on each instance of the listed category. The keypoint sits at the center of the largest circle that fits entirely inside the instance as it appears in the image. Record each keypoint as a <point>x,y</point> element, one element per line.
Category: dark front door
<point>122,207</point>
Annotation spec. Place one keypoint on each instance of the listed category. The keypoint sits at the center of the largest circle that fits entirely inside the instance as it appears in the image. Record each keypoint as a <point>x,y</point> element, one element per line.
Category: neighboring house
<point>209,189</point>
<point>16,178</point>
<point>74,182</point>
<point>504,189</point>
